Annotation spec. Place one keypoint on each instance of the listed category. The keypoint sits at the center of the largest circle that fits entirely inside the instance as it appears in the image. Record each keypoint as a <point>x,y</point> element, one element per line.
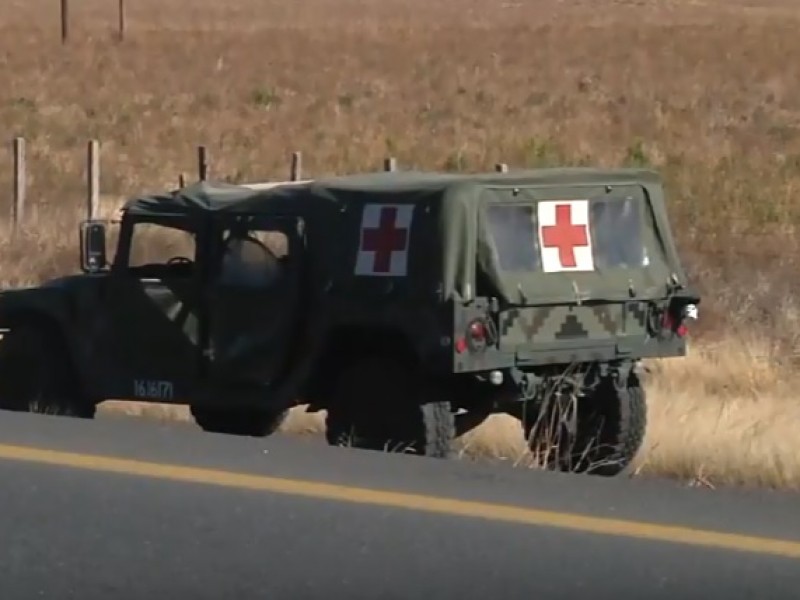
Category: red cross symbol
<point>384,240</point>
<point>565,236</point>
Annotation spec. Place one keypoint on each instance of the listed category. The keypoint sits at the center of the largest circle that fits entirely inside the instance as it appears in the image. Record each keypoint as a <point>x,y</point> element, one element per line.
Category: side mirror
<point>93,246</point>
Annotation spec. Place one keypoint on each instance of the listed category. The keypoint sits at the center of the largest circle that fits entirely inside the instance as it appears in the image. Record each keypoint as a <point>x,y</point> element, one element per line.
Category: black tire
<point>609,432</point>
<point>252,423</point>
<point>380,404</point>
<point>37,374</point>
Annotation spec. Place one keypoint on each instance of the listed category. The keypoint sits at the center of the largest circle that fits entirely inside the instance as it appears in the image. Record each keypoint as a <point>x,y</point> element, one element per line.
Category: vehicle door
<point>254,299</point>
<point>149,326</point>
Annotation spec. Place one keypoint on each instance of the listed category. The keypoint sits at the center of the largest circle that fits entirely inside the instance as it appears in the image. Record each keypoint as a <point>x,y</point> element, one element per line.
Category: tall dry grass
<point>703,91</point>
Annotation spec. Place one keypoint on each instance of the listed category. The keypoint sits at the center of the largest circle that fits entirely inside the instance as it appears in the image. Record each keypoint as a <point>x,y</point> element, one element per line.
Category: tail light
<point>476,338</point>
<point>688,312</point>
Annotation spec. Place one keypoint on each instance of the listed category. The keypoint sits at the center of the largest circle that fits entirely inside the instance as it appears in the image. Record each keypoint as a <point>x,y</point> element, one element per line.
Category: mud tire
<point>610,430</point>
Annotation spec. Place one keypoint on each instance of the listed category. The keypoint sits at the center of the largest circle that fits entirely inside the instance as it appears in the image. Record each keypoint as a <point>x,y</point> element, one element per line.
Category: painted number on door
<point>152,389</point>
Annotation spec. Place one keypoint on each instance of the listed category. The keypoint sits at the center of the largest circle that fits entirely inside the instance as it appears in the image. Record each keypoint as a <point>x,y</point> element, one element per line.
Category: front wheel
<point>37,376</point>
<point>599,434</point>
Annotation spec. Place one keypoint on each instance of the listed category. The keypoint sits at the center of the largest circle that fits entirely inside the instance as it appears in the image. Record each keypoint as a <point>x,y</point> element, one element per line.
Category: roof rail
<point>267,185</point>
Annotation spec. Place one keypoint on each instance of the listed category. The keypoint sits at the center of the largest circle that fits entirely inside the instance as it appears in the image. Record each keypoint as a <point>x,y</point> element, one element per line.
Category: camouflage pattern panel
<point>604,332</point>
<point>555,324</point>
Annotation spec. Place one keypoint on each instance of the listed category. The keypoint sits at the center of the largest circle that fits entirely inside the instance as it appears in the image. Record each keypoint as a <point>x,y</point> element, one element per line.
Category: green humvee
<point>409,306</point>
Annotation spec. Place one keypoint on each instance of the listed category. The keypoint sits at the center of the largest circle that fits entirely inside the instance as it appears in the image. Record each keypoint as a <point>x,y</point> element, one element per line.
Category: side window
<point>617,233</point>
<point>154,244</point>
<point>253,258</point>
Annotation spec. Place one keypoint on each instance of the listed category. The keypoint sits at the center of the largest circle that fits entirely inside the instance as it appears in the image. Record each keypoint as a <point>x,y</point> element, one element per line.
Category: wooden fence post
<point>121,20</point>
<point>202,163</point>
<point>64,21</point>
<point>93,179</point>
<point>390,164</point>
<point>501,168</point>
<point>296,170</point>
<point>20,182</point>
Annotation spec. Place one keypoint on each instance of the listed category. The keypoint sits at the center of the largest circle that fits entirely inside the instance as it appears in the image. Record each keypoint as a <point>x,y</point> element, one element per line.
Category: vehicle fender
<point>41,303</point>
<point>47,307</point>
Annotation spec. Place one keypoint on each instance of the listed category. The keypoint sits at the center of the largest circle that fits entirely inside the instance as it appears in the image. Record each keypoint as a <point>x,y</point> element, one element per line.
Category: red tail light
<point>668,323</point>
<point>475,338</point>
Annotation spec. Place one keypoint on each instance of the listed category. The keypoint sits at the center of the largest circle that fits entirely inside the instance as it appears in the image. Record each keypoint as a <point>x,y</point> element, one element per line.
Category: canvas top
<point>529,237</point>
<point>220,196</point>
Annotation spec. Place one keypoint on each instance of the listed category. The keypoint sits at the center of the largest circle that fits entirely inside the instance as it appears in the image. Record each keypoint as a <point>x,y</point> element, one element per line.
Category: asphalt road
<point>125,508</point>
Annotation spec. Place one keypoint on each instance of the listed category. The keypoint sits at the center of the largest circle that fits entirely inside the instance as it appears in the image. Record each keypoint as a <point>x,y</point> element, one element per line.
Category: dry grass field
<point>705,91</point>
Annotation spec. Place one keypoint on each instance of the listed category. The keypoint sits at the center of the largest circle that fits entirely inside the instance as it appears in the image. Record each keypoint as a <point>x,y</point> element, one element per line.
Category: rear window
<point>513,230</point>
<point>615,227</point>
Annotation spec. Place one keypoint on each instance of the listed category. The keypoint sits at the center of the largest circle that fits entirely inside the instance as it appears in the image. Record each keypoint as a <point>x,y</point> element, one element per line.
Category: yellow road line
<point>418,502</point>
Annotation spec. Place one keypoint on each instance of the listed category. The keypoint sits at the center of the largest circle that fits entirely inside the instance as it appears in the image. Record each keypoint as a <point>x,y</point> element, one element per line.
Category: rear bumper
<point>582,351</point>
<point>568,352</point>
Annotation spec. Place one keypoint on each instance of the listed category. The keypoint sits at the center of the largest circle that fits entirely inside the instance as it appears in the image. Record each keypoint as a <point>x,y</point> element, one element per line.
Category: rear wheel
<point>37,374</point>
<point>599,434</point>
<point>252,422</point>
<point>380,404</point>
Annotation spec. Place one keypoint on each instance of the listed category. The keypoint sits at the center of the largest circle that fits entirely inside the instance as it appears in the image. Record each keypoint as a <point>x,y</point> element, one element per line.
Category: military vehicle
<point>408,305</point>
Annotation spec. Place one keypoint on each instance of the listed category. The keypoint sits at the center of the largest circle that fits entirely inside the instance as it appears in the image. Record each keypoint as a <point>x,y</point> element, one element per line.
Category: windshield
<point>158,249</point>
